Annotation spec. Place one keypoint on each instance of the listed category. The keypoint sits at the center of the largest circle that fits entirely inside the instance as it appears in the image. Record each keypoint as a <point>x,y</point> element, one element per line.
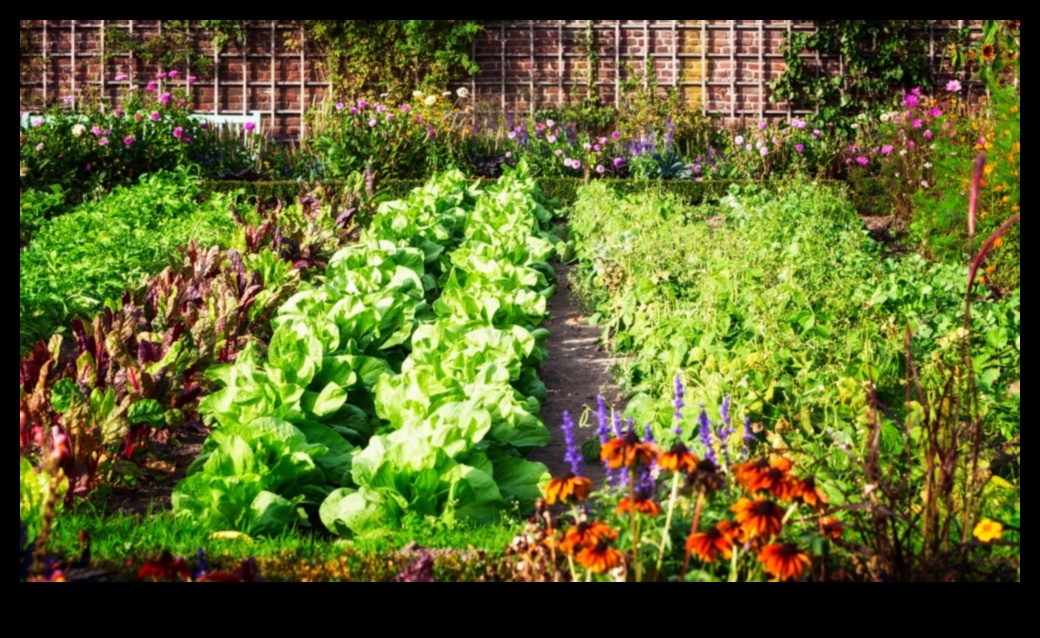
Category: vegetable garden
<point>356,375</point>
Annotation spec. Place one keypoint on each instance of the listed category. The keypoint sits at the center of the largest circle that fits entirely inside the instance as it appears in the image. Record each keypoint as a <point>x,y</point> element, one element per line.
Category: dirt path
<point>576,373</point>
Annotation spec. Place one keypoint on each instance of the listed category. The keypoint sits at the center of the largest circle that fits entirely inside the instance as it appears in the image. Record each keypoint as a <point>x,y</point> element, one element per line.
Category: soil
<point>577,372</point>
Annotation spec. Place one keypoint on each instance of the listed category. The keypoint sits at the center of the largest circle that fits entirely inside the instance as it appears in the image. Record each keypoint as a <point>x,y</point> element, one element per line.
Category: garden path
<point>577,371</point>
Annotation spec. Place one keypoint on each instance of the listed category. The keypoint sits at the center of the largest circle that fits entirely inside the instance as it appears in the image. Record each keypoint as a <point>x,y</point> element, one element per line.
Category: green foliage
<point>372,57</point>
<point>79,260</point>
<point>878,57</point>
<point>36,207</point>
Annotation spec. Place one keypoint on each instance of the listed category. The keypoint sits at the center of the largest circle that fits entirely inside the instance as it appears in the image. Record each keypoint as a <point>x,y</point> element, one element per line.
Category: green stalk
<point>668,521</point>
<point>638,566</point>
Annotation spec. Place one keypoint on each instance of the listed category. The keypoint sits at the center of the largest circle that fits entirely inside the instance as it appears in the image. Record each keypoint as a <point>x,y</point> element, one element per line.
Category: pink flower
<point>799,148</point>
<point>165,98</point>
<point>618,162</point>
<point>250,127</point>
<point>89,167</point>
<point>558,152</point>
<point>203,125</point>
<point>160,76</point>
<point>430,133</point>
<point>380,109</point>
<point>600,169</point>
<point>353,110</point>
<point>935,112</point>
<point>405,108</point>
<point>761,126</point>
<point>154,116</point>
<point>575,164</point>
<point>550,123</point>
<point>615,135</point>
<point>152,86</point>
<point>862,161</point>
<point>511,135</point>
<point>68,100</point>
<point>796,123</point>
<point>917,123</point>
<point>122,77</point>
<point>418,118</point>
<point>173,74</point>
<point>602,140</point>
<point>597,148</point>
<point>551,139</point>
<point>816,132</point>
<point>103,141</point>
<point>389,116</point>
<point>119,113</point>
<point>340,106</point>
<point>587,146</point>
<point>763,151</point>
<point>927,135</point>
<point>178,132</point>
<point>509,154</point>
<point>181,102</point>
<point>916,91</point>
<point>39,147</point>
<point>911,101</point>
<point>128,141</point>
<point>372,122</point>
<point>192,79</point>
<point>567,162</point>
<point>886,150</point>
<point>96,130</point>
<point>911,144</point>
<point>953,86</point>
<point>362,104</point>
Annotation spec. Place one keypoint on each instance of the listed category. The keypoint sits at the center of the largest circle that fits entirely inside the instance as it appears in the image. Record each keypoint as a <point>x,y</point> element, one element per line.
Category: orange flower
<point>678,459</point>
<point>760,517</point>
<point>998,242</point>
<point>784,562</point>
<point>808,493</point>
<point>770,476</point>
<point>708,545</point>
<point>628,451</point>
<point>988,530</point>
<point>568,489</point>
<point>733,531</point>
<point>644,505</point>
<point>831,528</point>
<point>584,535</point>
<point>988,52</point>
<point>600,557</point>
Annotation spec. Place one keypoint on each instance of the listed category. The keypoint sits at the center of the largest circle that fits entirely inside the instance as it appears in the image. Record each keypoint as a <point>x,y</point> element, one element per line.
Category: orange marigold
<point>709,544</point>
<point>600,557</point>
<point>759,518</point>
<point>570,488</point>
<point>628,451</point>
<point>784,562</point>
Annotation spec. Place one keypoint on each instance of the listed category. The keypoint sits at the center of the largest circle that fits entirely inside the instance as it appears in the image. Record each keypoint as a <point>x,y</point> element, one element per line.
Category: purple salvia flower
<point>648,434</point>
<point>724,410</point>
<point>707,439</point>
<point>678,404</point>
<point>604,421</point>
<point>573,456</point>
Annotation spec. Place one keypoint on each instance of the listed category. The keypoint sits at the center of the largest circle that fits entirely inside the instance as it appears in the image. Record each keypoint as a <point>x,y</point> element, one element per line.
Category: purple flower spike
<point>573,456</point>
<point>648,434</point>
<point>707,439</point>
<point>749,436</point>
<point>604,421</point>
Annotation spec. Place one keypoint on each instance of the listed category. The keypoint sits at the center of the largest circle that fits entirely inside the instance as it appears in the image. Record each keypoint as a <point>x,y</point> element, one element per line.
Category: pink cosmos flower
<point>927,135</point>
<point>567,162</point>
<point>160,76</point>
<point>68,100</point>
<point>372,122</point>
<point>430,133</point>
<point>509,154</point>
<point>181,102</point>
<point>911,144</point>
<point>761,126</point>
<point>340,106</point>
<point>618,162</point>
<point>103,141</point>
<point>128,141</point>
<point>122,77</point>
<point>816,132</point>
<point>600,169</point>
<point>165,98</point>
<point>935,112</point>
<point>39,147</point>
<point>362,104</point>
<point>551,139</point>
<point>191,79</point>
<point>353,110</point>
<point>559,152</point>
<point>615,135</point>
<point>173,74</point>
<point>405,108</point>
<point>953,86</point>
<point>886,150</point>
<point>511,135</point>
<point>862,161</point>
<point>763,151</point>
<point>119,113</point>
<point>178,132</point>
<point>799,148</point>
<point>380,109</point>
<point>96,130</point>
<point>602,140</point>
<point>152,86</point>
<point>911,101</point>
<point>250,127</point>
<point>575,164</point>
<point>389,116</point>
<point>154,116</point>
<point>550,123</point>
<point>917,123</point>
<point>418,118</point>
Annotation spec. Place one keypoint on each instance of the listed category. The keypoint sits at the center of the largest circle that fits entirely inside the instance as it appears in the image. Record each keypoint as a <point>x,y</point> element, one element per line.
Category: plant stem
<point>636,564</point>
<point>668,521</point>
<point>693,528</point>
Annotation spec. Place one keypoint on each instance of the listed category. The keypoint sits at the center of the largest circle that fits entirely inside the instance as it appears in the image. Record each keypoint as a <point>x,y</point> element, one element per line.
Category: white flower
<point>855,125</point>
<point>417,93</point>
<point>463,92</point>
<point>78,130</point>
<point>739,140</point>
<point>886,117</point>
<point>903,152</point>
<point>924,183</point>
<point>446,94</point>
<point>927,164</point>
<point>431,100</point>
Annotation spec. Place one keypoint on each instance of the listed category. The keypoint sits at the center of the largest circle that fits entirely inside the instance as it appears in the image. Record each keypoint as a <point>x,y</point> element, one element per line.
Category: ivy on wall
<point>878,57</point>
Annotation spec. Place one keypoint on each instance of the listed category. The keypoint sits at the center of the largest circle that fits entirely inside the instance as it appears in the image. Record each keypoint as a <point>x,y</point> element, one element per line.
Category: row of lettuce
<point>403,383</point>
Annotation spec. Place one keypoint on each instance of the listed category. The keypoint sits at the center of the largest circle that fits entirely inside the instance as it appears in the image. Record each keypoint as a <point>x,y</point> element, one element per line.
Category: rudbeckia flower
<point>643,505</point>
<point>584,535</point>
<point>628,451</point>
<point>784,562</point>
<point>600,557</point>
<point>570,488</point>
<point>808,493</point>
<point>678,459</point>
<point>759,518</point>
<point>710,544</point>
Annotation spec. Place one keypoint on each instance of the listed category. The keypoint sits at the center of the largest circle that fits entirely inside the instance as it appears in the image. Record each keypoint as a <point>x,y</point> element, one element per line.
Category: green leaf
<point>148,412</point>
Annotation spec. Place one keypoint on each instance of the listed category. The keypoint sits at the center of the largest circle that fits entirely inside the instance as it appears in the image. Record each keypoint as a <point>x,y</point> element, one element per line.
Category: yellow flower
<point>988,530</point>
<point>1014,109</point>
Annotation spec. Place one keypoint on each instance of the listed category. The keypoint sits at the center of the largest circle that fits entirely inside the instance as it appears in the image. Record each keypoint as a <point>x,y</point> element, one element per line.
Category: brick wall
<point>725,66</point>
